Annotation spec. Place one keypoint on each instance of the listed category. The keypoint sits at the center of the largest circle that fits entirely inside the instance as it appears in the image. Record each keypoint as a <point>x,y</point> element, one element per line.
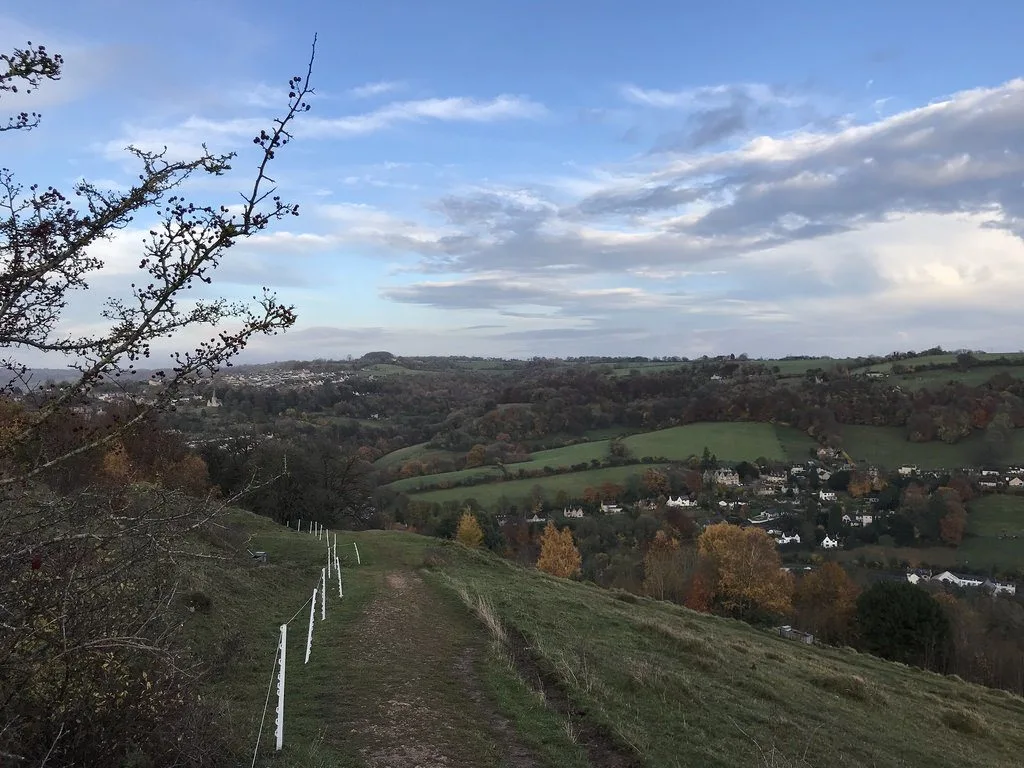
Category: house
<point>876,374</point>
<point>789,633</point>
<point>907,470</point>
<point>1001,587</point>
<point>773,478</point>
<point>575,512</point>
<point>827,495</point>
<point>213,402</point>
<point>865,519</point>
<point>988,485</point>
<point>796,470</point>
<point>680,502</point>
<point>610,509</point>
<point>1016,483</point>
<point>948,577</point>
<point>767,490</point>
<point>829,543</point>
<point>723,477</point>
<point>990,473</point>
<point>536,519</point>
<point>788,539</point>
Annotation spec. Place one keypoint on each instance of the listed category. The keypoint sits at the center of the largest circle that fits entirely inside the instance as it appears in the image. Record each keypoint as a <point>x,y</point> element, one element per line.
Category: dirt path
<point>423,705</point>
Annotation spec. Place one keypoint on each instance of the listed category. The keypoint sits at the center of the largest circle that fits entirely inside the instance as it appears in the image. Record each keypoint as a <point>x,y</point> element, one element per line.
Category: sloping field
<point>888,447</point>
<point>573,483</point>
<point>686,689</point>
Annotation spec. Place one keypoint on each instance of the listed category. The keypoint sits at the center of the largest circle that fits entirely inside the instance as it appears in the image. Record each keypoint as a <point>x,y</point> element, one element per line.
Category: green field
<point>573,483</point>
<point>419,451</point>
<point>940,378</point>
<point>413,484</point>
<point>888,447</point>
<point>729,441</point>
<point>995,514</point>
<point>988,517</point>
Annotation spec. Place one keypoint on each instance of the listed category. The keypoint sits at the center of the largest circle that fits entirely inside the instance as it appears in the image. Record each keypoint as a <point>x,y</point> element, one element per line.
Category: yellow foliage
<point>116,464</point>
<point>558,553</point>
<point>469,531</point>
<point>747,570</point>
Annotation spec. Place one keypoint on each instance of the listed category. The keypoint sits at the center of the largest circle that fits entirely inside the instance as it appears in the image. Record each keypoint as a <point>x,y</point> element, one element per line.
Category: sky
<point>570,178</point>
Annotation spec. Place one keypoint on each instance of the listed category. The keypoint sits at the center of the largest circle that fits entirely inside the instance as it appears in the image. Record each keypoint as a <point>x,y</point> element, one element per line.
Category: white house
<point>989,473</point>
<point>827,495</point>
<point>213,402</point>
<point>988,484</point>
<point>1016,483</point>
<point>789,539</point>
<point>796,470</point>
<point>998,587</point>
<point>949,577</point>
<point>611,509</point>
<point>907,470</point>
<point>576,512</point>
<point>829,543</point>
<point>824,474</point>
<point>536,519</point>
<point>773,478</point>
<point>680,502</point>
<point>865,519</point>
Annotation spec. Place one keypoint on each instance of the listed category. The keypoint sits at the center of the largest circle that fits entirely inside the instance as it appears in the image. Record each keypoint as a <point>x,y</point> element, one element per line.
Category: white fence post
<point>280,686</point>
<point>309,636</point>
<point>323,594</point>
<point>358,561</point>
<point>335,546</point>
<point>328,560</point>
<point>337,569</point>
<point>299,526</point>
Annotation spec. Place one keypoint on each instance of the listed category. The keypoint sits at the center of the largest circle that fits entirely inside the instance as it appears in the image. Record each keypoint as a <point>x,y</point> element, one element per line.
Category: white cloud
<point>378,88</point>
<point>185,139</point>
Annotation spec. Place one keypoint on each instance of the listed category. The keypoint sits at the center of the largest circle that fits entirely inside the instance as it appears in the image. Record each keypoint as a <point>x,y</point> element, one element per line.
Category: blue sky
<point>572,178</point>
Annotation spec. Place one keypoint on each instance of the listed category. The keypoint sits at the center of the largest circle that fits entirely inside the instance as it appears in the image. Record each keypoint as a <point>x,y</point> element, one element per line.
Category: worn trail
<point>421,703</point>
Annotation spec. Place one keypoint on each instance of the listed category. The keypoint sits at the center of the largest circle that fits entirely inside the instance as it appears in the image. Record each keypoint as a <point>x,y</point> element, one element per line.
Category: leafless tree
<point>91,669</point>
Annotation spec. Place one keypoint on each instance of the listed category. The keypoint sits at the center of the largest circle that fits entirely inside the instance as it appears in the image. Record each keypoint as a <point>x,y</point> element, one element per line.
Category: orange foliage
<point>476,457</point>
<point>747,570</point>
<point>826,602</point>
<point>558,553</point>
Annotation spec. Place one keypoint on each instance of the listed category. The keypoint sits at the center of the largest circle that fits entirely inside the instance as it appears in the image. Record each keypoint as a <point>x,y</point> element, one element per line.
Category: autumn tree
<point>667,568</point>
<point>91,666</point>
<point>558,553</point>
<point>953,520</point>
<point>476,457</point>
<point>825,602</point>
<point>469,531</point>
<point>655,483</point>
<point>745,573</point>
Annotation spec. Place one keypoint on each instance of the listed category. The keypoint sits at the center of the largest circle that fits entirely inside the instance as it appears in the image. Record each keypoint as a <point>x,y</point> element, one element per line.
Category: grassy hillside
<point>682,688</point>
<point>888,447</point>
<point>573,483</point>
<point>404,673</point>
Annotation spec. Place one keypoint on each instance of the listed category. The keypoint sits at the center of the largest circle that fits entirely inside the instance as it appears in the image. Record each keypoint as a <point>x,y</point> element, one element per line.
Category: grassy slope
<point>888,447</point>
<point>572,483</point>
<point>677,687</point>
<point>689,689</point>
<point>989,517</point>
<point>334,702</point>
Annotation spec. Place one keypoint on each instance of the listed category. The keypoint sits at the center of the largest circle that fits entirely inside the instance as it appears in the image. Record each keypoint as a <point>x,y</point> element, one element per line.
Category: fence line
<point>320,533</point>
